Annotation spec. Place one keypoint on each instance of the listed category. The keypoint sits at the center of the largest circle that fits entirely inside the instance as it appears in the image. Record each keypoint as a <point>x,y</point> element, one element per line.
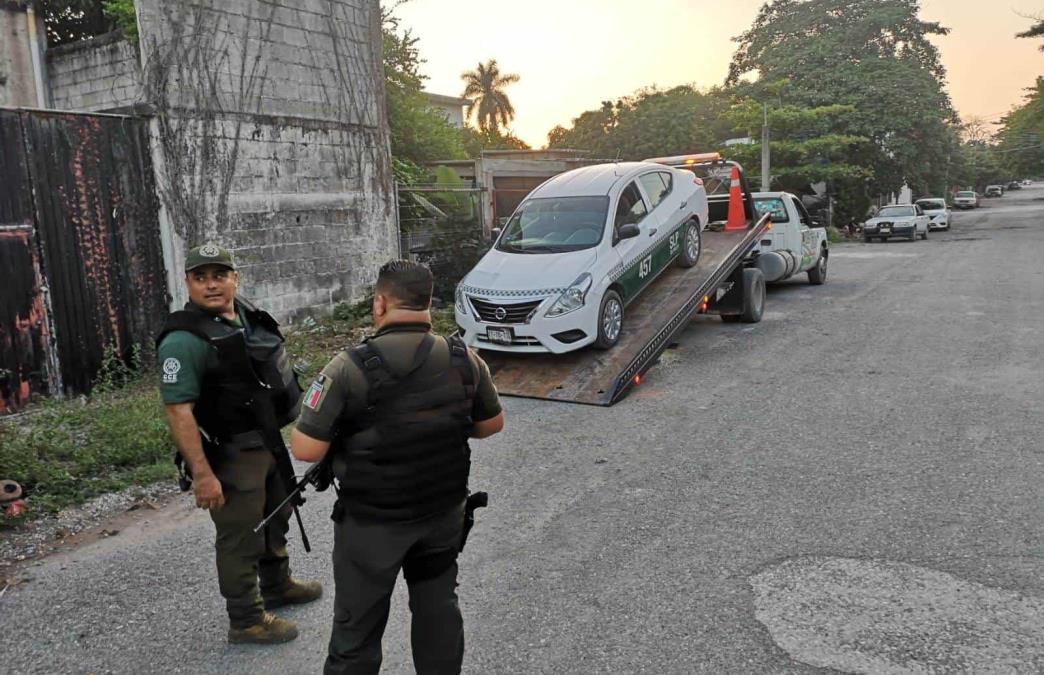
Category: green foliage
<point>477,140</point>
<point>651,122</point>
<point>834,235</point>
<point>115,371</point>
<point>123,16</point>
<point>69,451</point>
<point>874,55</point>
<point>1022,135</point>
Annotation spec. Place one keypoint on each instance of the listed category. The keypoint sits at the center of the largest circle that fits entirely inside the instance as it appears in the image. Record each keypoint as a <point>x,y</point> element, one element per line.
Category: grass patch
<point>834,235</point>
<point>66,452</point>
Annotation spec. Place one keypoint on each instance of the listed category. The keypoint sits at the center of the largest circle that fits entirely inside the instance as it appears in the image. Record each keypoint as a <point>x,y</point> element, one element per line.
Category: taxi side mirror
<point>629,231</point>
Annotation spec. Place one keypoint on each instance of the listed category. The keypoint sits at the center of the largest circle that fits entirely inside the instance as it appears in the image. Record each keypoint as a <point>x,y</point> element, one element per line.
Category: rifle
<point>317,475</point>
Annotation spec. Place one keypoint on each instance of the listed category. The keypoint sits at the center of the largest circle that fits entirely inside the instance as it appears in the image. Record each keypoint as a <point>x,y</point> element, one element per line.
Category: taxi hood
<point>529,273</point>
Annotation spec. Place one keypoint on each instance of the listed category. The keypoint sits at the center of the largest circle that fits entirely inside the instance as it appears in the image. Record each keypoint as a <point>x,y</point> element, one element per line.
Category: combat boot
<point>268,630</point>
<point>294,593</point>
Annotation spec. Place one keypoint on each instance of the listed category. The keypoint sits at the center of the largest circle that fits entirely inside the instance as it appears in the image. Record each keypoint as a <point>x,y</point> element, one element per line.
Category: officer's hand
<point>208,492</point>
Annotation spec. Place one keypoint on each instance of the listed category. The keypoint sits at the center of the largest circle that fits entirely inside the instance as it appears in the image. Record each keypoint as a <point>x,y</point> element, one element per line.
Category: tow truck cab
<point>792,245</point>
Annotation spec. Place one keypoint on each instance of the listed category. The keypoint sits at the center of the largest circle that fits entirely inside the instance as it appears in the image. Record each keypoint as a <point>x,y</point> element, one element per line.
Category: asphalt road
<point>855,485</point>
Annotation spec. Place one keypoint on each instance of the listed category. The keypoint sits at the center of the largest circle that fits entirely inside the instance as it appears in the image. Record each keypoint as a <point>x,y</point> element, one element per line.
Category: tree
<point>1035,31</point>
<point>651,122</point>
<point>874,55</point>
<point>476,140</point>
<point>485,86</point>
<point>1021,137</point>
<point>813,145</point>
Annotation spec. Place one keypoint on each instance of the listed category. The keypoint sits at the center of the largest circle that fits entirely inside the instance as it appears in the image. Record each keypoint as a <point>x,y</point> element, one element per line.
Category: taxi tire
<point>601,341</point>
<point>683,257</point>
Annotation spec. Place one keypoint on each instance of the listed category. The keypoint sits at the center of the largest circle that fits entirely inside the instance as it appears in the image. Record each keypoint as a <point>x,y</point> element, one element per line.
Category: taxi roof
<point>590,181</point>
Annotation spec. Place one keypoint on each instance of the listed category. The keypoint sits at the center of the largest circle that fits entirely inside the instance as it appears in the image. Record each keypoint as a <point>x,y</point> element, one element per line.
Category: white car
<point>581,246</point>
<point>966,199</point>
<point>899,220</point>
<point>935,208</point>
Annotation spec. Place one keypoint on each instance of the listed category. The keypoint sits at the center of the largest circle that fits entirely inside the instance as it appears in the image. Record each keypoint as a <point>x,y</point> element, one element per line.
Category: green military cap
<point>208,254</point>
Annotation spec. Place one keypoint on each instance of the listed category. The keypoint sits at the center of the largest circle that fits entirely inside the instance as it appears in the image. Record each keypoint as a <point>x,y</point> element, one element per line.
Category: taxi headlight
<point>572,298</point>
<point>462,303</point>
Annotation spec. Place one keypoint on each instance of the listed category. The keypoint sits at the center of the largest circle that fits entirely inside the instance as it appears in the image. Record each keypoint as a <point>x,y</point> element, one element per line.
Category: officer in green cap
<point>227,387</point>
<point>399,409</point>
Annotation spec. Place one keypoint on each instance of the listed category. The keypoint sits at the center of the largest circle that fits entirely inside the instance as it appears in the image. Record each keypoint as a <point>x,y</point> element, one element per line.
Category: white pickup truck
<point>792,245</point>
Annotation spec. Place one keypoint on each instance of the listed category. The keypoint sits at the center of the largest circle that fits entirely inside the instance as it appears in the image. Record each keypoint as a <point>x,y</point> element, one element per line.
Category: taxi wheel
<point>610,320</point>
<point>692,244</point>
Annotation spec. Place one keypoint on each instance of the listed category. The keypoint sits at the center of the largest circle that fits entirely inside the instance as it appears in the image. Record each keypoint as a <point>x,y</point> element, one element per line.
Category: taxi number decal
<point>645,268</point>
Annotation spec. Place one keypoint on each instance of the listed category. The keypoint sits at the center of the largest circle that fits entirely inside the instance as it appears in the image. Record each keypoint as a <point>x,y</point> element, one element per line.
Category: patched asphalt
<point>772,499</point>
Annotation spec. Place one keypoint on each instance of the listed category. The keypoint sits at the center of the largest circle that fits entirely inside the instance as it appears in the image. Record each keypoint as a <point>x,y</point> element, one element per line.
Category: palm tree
<point>484,87</point>
<point>1036,31</point>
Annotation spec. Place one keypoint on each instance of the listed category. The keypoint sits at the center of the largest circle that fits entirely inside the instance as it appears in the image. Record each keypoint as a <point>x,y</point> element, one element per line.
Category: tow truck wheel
<point>817,275</point>
<point>753,295</point>
<point>610,320</point>
<point>692,244</point>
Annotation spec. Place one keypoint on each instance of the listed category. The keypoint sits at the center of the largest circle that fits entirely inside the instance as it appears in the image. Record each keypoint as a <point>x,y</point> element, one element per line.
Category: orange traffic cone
<point>737,219</point>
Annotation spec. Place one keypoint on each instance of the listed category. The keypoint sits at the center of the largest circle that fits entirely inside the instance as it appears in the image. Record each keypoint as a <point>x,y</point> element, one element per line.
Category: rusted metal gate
<point>94,231</point>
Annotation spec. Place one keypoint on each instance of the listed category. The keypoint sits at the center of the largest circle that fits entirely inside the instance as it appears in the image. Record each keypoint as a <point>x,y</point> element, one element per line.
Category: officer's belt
<point>247,440</point>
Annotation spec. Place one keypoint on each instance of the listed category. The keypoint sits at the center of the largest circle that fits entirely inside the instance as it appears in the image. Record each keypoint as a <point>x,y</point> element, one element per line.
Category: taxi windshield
<point>897,211</point>
<point>555,225</point>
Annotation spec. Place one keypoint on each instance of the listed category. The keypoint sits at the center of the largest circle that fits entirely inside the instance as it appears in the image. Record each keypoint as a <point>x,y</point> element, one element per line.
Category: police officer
<point>224,374</point>
<point>399,409</point>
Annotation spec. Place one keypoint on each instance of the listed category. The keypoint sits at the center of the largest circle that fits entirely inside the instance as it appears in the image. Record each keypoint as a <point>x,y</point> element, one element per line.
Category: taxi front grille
<point>504,313</point>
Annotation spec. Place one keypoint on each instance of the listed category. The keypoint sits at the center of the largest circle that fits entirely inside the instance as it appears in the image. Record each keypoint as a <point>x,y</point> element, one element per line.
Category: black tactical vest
<point>407,456</point>
<point>230,393</point>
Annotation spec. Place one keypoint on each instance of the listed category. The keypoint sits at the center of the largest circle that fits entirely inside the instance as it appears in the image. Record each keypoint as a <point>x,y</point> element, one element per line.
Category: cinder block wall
<point>311,206</point>
<point>99,74</point>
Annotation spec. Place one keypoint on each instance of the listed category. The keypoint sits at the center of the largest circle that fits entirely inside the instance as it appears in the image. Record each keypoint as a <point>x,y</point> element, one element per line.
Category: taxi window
<point>631,208</point>
<point>656,188</point>
<point>774,206</point>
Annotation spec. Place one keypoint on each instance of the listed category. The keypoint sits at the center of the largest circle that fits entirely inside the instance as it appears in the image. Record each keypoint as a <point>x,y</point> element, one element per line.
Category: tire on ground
<point>817,275</point>
<point>753,295</point>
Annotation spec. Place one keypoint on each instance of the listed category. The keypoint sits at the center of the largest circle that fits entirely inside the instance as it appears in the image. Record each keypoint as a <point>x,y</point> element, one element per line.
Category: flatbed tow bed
<point>652,322</point>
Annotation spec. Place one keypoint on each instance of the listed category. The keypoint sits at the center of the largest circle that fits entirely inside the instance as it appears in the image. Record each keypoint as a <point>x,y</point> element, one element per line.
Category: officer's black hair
<point>409,283</point>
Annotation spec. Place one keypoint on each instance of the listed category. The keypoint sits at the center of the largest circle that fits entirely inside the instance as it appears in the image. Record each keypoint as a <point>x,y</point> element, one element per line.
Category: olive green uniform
<point>251,485</point>
<point>367,554</point>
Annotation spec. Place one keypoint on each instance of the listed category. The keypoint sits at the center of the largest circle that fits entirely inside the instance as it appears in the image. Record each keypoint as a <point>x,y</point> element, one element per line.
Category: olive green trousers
<point>367,559</point>
<point>252,488</point>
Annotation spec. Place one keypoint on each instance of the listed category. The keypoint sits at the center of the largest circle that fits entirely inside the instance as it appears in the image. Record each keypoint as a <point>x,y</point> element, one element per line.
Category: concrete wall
<point>94,75</point>
<point>311,202</point>
<point>17,87</point>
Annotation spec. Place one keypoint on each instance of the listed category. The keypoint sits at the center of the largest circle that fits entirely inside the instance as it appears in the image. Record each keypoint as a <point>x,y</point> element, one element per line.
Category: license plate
<point>886,230</point>
<point>500,336</point>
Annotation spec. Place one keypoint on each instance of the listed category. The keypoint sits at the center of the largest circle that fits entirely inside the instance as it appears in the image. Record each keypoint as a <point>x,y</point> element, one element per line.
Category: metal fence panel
<point>96,216</point>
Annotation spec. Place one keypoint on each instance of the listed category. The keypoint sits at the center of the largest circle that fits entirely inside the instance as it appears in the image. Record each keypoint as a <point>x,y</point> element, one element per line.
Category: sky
<point>574,54</point>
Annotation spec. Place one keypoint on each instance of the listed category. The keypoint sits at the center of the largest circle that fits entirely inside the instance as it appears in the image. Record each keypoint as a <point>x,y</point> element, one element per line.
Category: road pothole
<point>861,616</point>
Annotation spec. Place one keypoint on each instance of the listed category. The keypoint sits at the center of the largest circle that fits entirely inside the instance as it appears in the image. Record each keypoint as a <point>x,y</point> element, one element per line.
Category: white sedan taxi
<point>898,220</point>
<point>581,247</point>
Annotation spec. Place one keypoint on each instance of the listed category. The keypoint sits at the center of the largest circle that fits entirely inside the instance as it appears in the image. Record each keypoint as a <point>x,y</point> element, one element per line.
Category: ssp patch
<point>316,393</point>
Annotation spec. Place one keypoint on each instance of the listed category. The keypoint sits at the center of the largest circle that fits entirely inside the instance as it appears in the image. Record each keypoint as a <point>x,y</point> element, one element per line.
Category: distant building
<point>450,106</point>
<point>507,176</point>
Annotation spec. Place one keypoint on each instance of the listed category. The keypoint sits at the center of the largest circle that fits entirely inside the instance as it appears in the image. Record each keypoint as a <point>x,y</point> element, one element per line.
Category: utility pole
<point>766,154</point>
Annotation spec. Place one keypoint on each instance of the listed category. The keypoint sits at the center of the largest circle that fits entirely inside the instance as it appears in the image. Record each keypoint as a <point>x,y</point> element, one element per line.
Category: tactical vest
<point>231,393</point>
<point>407,456</point>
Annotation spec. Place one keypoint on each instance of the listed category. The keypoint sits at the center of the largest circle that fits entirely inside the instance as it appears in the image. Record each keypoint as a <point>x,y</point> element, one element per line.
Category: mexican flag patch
<point>315,394</point>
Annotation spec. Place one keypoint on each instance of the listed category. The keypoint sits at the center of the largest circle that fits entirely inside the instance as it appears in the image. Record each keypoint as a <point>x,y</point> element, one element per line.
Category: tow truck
<point>726,282</point>
<point>793,245</point>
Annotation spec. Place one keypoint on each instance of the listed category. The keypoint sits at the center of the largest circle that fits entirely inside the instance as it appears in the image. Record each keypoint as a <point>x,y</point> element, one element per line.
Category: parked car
<point>1014,185</point>
<point>900,220</point>
<point>935,209</point>
<point>1027,182</point>
<point>966,199</point>
<point>575,252</point>
<point>993,191</point>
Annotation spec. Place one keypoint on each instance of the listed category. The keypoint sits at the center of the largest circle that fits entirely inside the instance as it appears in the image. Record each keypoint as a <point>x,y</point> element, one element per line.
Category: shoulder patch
<point>316,393</point>
<point>171,367</point>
